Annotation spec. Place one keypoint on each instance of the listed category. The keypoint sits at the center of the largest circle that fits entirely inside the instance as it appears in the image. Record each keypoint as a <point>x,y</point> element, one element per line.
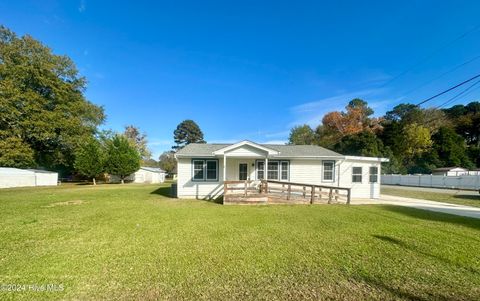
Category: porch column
<point>265,168</point>
<point>224,167</point>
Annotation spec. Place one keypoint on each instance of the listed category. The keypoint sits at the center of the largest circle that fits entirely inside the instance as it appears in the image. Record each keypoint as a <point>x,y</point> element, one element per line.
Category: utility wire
<point>461,94</point>
<point>448,90</point>
<point>432,54</point>
<point>443,74</point>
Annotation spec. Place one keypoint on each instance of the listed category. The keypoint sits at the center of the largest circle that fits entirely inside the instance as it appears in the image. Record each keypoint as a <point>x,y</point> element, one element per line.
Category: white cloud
<point>82,6</point>
<point>312,112</point>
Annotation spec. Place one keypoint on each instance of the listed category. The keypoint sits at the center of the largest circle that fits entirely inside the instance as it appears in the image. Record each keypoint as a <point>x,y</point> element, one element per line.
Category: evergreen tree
<point>90,159</point>
<point>187,132</point>
<point>122,157</point>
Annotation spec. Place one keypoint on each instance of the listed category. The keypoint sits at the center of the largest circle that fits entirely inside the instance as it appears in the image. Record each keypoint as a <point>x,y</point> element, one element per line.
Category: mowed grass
<point>456,197</point>
<point>131,242</point>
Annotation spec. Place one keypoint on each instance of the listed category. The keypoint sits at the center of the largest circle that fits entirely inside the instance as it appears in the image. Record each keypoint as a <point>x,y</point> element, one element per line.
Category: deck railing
<point>288,191</point>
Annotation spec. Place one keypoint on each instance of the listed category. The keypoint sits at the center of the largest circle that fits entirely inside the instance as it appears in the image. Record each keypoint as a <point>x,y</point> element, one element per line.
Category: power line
<point>432,54</point>
<point>448,90</point>
<point>443,74</point>
<point>461,94</point>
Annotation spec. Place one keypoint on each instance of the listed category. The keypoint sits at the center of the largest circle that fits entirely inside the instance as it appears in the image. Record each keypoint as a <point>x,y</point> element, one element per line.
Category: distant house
<point>450,171</point>
<point>145,174</point>
<point>15,177</point>
<point>204,168</point>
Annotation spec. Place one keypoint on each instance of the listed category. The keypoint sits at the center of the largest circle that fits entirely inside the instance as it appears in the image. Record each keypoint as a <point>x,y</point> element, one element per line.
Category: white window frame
<point>257,170</point>
<point>324,170</point>
<point>265,169</point>
<point>357,174</point>
<point>273,170</point>
<point>370,174</point>
<point>204,168</point>
<point>281,170</point>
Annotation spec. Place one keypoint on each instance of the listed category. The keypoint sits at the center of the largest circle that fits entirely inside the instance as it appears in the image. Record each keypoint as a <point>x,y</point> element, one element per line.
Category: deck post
<point>330,195</point>
<point>224,189</point>
<point>246,187</point>
<point>289,191</point>
<point>348,196</point>
<point>312,195</point>
<point>336,195</point>
<point>304,191</point>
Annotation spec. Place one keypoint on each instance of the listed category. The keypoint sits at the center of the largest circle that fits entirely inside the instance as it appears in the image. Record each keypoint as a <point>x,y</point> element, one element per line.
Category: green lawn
<point>456,197</point>
<point>131,242</point>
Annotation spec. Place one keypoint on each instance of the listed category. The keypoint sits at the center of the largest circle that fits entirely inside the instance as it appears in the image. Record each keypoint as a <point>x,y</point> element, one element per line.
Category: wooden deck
<point>278,192</point>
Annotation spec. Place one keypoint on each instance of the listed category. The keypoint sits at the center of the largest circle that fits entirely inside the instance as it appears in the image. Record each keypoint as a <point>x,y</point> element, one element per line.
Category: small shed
<point>149,175</point>
<point>145,174</point>
<point>15,177</point>
<point>450,171</point>
<point>45,177</point>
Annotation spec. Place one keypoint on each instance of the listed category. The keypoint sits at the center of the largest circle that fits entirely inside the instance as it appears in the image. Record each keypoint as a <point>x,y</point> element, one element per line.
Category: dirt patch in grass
<point>67,203</point>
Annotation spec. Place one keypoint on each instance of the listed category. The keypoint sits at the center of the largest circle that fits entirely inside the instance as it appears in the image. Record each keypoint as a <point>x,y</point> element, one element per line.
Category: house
<point>203,168</point>
<point>15,177</point>
<point>151,175</point>
<point>449,171</point>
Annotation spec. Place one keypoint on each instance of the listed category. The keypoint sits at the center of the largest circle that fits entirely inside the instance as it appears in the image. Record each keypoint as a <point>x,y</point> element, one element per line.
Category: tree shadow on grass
<point>435,216</point>
<point>413,248</point>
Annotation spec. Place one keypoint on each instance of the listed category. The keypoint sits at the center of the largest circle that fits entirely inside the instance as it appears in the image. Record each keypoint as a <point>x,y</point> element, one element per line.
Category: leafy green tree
<point>122,157</point>
<point>139,140</point>
<point>416,140</point>
<point>451,148</point>
<point>187,132</point>
<point>42,102</point>
<point>361,144</point>
<point>167,161</point>
<point>14,152</point>
<point>90,159</point>
<point>301,135</point>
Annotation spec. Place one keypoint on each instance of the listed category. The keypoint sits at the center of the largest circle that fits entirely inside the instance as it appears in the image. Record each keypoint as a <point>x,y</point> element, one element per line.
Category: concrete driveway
<point>461,210</point>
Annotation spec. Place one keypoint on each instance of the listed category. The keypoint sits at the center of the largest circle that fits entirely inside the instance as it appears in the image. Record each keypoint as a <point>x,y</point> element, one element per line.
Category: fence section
<point>452,182</point>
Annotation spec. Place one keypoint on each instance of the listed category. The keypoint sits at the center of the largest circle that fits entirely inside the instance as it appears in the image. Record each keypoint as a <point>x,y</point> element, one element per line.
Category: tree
<point>354,120</point>
<point>15,153</point>
<point>416,140</point>
<point>361,144</point>
<point>187,132</point>
<point>139,140</point>
<point>450,148</point>
<point>122,157</point>
<point>42,103</point>
<point>302,135</point>
<point>90,159</point>
<point>167,161</point>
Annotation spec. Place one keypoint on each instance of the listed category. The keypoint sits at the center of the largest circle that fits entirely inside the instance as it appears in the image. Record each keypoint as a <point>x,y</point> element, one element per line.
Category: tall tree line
<point>416,140</point>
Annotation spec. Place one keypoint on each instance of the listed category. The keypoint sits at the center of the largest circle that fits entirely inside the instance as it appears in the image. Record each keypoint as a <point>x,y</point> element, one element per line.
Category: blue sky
<point>253,69</point>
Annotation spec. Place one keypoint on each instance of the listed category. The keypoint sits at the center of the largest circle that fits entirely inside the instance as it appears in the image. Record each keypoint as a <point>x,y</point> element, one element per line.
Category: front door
<point>242,171</point>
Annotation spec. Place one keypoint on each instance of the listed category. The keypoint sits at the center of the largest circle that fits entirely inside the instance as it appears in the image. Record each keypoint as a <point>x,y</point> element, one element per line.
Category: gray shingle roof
<point>206,149</point>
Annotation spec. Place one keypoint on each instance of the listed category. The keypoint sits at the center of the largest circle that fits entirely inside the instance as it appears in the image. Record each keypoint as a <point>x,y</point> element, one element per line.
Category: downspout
<point>338,177</point>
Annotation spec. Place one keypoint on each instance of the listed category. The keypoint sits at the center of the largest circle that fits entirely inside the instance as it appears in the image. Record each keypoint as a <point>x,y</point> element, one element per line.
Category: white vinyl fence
<point>455,182</point>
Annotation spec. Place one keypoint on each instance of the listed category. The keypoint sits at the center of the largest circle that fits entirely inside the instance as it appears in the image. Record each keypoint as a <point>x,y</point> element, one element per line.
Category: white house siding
<point>364,189</point>
<point>307,171</point>
<point>186,188</point>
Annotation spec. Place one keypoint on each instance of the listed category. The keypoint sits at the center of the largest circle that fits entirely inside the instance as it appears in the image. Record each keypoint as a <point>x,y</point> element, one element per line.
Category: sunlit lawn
<point>456,197</point>
<point>131,242</point>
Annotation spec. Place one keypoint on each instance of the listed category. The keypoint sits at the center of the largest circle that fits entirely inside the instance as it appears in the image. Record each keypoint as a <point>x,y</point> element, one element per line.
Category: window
<point>284,171</point>
<point>205,170</point>
<point>272,170</point>
<point>356,175</point>
<point>328,171</point>
<point>373,174</point>
<point>212,170</point>
<point>276,170</point>
<point>198,170</point>
<point>260,170</point>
